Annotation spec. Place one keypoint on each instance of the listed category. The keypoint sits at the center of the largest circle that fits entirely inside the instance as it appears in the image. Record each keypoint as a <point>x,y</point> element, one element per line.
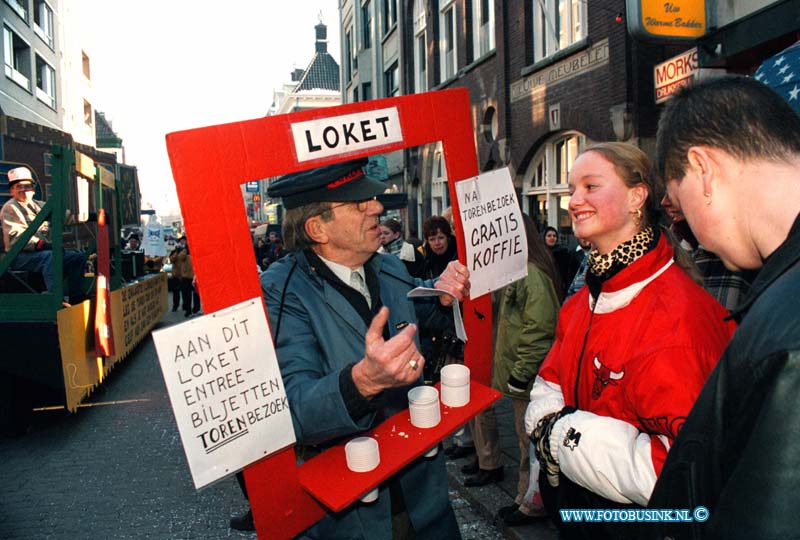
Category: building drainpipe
<point>2,134</point>
<point>506,86</point>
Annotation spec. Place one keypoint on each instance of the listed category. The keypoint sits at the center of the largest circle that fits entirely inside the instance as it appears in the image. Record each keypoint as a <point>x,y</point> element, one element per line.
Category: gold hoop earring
<point>708,198</point>
<point>638,216</point>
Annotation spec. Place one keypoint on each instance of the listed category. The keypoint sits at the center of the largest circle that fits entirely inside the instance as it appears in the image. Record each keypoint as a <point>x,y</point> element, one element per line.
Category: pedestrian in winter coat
<point>729,150</point>
<point>344,334</point>
<point>526,329</point>
<point>633,348</point>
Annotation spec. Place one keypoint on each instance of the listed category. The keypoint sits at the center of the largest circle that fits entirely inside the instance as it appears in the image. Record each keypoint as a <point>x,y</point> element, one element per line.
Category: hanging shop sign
<point>675,73</point>
<point>666,21</point>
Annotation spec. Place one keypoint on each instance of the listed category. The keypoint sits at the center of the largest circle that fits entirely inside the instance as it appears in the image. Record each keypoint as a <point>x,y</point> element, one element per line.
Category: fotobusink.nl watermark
<point>649,515</point>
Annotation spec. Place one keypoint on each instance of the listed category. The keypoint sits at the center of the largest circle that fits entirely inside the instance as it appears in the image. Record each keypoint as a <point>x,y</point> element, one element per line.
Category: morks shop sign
<point>678,20</point>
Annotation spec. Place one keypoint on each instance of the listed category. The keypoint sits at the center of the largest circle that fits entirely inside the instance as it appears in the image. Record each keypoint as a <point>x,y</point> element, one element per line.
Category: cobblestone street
<point>116,470</point>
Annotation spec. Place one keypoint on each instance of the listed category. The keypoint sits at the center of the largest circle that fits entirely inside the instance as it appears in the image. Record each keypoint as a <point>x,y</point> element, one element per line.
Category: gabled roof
<point>321,74</point>
<point>106,137</point>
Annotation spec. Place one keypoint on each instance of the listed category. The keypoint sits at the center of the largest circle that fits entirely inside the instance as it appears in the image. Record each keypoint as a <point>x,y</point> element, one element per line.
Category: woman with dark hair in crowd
<point>391,233</point>
<point>562,256</point>
<point>632,349</point>
<point>438,343</point>
<point>440,246</point>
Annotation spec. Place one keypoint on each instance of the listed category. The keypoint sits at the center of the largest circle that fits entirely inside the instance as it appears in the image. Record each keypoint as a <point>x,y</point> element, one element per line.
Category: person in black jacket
<point>437,339</point>
<point>563,258</point>
<point>729,151</point>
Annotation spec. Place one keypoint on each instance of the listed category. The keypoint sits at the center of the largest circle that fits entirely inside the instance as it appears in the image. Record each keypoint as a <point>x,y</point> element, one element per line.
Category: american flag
<point>782,73</point>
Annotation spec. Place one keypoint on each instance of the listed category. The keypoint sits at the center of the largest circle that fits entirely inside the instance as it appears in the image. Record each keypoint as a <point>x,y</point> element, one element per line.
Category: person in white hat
<point>37,256</point>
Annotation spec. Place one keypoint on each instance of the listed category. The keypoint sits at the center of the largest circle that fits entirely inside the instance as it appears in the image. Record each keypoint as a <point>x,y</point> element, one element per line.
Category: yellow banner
<point>135,309</point>
<point>684,19</point>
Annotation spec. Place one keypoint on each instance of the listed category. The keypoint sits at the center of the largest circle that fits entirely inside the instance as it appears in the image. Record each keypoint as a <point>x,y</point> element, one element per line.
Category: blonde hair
<point>635,168</point>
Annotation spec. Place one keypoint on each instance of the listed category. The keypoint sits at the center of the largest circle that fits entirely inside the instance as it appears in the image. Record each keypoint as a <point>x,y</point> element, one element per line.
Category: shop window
<point>366,25</point>
<point>557,24</point>
<point>392,80</point>
<point>420,48</point>
<point>447,40</point>
<point>545,183</point>
<point>482,27</point>
<point>43,21</point>
<point>17,56</point>
<point>389,15</point>
<point>45,82</point>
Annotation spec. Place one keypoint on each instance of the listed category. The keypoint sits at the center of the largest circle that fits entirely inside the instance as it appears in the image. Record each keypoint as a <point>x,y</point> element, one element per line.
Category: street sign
<point>251,187</point>
<point>677,20</point>
<point>675,73</point>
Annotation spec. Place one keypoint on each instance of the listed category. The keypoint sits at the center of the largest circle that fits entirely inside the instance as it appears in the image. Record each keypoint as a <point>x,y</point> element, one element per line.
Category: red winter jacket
<point>653,339</point>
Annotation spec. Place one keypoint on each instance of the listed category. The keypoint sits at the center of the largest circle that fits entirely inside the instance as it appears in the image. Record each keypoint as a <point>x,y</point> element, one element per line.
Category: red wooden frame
<point>210,164</point>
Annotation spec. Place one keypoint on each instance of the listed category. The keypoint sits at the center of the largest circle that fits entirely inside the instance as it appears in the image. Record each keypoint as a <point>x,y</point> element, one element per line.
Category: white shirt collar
<point>343,272</point>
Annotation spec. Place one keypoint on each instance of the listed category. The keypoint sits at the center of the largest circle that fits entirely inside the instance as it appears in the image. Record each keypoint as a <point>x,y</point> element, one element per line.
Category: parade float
<point>55,354</point>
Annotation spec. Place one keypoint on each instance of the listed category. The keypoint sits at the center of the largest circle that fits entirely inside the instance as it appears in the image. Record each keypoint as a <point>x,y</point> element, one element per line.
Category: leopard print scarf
<point>603,267</point>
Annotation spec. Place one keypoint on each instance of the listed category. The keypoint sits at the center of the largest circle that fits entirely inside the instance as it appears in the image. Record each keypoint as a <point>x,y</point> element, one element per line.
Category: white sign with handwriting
<point>494,235</point>
<point>226,390</point>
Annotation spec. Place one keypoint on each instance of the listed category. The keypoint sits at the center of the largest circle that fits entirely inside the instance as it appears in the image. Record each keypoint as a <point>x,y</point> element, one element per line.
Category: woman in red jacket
<point>633,349</point>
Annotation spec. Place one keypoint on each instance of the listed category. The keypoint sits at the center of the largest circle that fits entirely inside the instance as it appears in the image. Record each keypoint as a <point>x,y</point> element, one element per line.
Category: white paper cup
<point>423,406</point>
<point>362,454</point>
<point>455,375</point>
<point>455,385</point>
<point>372,496</point>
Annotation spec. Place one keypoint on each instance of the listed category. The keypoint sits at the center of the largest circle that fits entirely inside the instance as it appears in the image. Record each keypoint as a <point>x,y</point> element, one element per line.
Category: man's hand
<point>387,364</point>
<point>454,280</point>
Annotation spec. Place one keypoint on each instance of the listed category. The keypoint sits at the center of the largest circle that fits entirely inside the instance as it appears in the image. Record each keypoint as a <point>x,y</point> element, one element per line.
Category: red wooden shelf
<point>327,478</point>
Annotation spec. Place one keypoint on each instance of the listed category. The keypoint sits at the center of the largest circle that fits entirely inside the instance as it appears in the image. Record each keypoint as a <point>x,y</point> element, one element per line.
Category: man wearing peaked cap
<point>16,215</point>
<point>345,337</point>
<point>343,182</point>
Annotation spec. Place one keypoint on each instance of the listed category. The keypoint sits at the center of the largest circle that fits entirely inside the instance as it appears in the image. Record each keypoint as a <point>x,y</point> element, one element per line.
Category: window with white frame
<point>17,57</point>
<point>546,180</point>
<point>482,27</point>
<point>420,47</point>
<point>389,15</point>
<point>366,25</point>
<point>88,115</point>
<point>391,78</point>
<point>43,21</point>
<point>447,40</point>
<point>439,194</point>
<point>20,7</point>
<point>557,24</point>
<point>45,82</point>
<point>349,54</point>
<point>86,64</point>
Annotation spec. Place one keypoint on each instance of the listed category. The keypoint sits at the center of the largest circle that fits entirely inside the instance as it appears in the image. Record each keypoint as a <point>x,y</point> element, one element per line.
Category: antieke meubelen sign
<point>583,62</point>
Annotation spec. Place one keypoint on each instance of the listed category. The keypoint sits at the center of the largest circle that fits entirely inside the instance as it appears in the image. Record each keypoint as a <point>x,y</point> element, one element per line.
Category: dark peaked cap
<point>340,182</point>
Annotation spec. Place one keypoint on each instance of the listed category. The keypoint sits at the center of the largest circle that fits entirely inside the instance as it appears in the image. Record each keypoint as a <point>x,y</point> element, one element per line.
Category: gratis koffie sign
<point>678,20</point>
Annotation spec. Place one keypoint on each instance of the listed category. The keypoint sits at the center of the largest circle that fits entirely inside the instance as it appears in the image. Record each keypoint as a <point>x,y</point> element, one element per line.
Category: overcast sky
<point>166,65</point>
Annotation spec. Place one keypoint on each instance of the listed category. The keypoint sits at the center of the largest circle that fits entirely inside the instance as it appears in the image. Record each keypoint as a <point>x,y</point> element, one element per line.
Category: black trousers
<point>191,300</point>
<point>569,495</point>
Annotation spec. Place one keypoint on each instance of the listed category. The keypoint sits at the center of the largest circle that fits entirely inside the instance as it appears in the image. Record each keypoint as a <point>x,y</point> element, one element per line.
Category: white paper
<point>494,235</point>
<point>419,292</point>
<point>226,390</point>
